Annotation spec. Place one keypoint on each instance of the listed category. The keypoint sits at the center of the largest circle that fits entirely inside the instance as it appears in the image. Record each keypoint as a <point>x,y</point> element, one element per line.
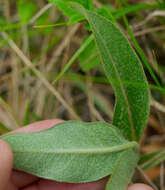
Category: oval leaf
<point>70,152</point>
<point>125,72</point>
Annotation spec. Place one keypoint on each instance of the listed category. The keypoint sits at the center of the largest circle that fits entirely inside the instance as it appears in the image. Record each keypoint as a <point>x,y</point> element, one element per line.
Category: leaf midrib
<point>120,83</point>
<point>84,151</point>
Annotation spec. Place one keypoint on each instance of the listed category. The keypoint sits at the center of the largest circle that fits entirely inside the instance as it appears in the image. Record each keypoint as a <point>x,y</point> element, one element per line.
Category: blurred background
<point>47,71</point>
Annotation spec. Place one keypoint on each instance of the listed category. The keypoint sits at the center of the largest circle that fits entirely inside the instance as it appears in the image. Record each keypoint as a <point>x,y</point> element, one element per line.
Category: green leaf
<point>74,15</point>
<point>73,58</point>
<point>123,170</point>
<point>44,19</point>
<point>89,58</point>
<point>3,128</point>
<point>132,9</point>
<point>147,157</point>
<point>123,68</point>
<point>105,11</point>
<point>150,160</point>
<point>85,3</point>
<point>71,151</point>
<point>68,11</point>
<point>26,10</point>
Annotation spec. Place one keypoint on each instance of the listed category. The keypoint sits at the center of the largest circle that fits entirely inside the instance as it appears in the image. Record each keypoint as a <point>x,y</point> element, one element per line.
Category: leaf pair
<point>124,71</point>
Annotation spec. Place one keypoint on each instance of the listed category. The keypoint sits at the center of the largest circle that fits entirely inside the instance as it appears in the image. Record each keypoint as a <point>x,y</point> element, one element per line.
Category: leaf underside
<point>69,152</point>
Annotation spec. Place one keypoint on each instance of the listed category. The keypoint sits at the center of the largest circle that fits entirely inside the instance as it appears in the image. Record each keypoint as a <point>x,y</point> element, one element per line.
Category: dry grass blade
<point>157,105</point>
<point>149,30</point>
<point>148,18</point>
<point>8,113</point>
<point>153,159</point>
<point>28,63</point>
<point>95,115</point>
<point>147,178</point>
<point>39,13</point>
<point>162,176</point>
<point>62,46</point>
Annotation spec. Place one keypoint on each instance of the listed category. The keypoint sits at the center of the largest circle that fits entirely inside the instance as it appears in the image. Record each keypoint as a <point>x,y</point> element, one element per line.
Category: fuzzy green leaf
<point>70,152</point>
<point>124,70</point>
<point>123,171</point>
<point>74,15</point>
<point>68,11</point>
